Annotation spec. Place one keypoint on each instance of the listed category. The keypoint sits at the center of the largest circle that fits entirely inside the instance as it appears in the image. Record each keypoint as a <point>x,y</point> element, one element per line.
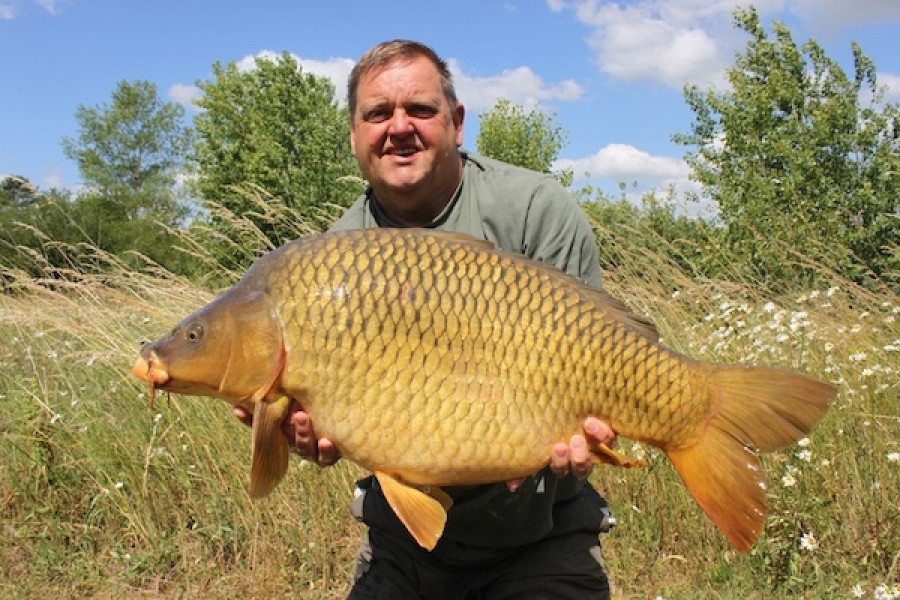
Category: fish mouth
<point>154,374</point>
<point>151,372</point>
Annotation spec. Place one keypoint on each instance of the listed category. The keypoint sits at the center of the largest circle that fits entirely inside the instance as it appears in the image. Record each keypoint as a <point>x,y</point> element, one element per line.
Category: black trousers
<point>566,564</point>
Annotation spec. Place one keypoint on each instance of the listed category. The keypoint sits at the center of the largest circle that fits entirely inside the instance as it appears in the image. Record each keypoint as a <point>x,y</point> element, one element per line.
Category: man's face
<point>404,134</point>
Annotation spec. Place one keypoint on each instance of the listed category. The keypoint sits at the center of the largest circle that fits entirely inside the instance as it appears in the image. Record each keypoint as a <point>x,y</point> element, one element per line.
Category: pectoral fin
<point>269,458</point>
<point>422,511</point>
<point>603,454</point>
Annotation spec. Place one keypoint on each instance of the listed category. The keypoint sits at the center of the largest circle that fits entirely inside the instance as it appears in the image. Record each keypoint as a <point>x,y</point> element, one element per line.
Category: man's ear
<point>459,116</point>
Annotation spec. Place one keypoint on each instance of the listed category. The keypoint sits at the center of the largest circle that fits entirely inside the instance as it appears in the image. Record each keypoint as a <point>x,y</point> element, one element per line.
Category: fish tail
<point>754,409</point>
<point>271,453</point>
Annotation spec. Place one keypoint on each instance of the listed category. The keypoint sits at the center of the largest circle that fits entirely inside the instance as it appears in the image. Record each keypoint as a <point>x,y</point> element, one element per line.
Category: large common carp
<point>434,359</point>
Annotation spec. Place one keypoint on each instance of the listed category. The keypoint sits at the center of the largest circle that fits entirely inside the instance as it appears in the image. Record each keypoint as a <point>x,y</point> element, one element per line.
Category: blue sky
<point>610,71</point>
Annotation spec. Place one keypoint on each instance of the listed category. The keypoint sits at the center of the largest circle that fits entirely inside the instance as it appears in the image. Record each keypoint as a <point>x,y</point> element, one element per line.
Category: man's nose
<point>400,123</point>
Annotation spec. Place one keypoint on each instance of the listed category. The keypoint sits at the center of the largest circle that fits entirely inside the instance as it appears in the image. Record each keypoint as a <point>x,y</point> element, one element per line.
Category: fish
<point>434,359</point>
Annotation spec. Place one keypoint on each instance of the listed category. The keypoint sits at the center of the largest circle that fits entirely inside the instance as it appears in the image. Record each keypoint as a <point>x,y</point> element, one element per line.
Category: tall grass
<point>102,494</point>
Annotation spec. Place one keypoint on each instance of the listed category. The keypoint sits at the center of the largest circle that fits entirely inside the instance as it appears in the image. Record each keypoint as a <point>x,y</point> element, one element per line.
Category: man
<point>535,537</point>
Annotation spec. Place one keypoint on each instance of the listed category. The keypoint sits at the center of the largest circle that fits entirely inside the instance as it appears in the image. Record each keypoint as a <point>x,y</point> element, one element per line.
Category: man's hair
<point>387,53</point>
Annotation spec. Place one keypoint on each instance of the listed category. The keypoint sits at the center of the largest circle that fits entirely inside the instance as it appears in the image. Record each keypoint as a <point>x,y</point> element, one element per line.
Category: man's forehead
<point>395,70</point>
<point>399,90</point>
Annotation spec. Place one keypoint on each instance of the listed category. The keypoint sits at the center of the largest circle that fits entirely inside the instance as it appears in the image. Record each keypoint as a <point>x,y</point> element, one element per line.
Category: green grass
<point>102,494</point>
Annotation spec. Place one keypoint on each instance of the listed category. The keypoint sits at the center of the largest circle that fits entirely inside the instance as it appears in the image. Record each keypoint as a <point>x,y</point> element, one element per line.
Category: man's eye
<point>375,116</point>
<point>421,112</point>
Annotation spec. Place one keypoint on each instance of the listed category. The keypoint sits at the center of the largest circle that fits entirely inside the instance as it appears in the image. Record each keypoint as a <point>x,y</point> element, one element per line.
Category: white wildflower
<point>805,455</point>
<point>788,480</point>
<point>858,591</point>
<point>808,541</point>
<point>886,592</point>
<point>803,442</point>
<point>894,457</point>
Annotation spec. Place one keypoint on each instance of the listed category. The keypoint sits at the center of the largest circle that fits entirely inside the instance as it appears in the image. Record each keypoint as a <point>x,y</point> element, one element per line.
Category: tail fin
<point>755,409</point>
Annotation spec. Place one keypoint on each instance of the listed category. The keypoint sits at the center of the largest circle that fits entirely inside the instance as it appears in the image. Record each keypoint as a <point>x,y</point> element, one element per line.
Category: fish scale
<point>434,359</point>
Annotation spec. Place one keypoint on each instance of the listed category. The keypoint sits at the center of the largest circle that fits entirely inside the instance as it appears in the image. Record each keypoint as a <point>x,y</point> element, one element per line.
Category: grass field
<point>103,495</point>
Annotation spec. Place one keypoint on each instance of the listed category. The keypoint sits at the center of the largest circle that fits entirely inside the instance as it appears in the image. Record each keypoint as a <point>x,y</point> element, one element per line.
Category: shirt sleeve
<point>558,232</point>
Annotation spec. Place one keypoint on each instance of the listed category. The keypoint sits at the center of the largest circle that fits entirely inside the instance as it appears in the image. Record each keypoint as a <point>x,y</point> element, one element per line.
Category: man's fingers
<point>599,431</point>
<point>559,460</point>
<point>305,442</point>
<point>242,415</point>
<point>579,458</point>
<point>328,453</point>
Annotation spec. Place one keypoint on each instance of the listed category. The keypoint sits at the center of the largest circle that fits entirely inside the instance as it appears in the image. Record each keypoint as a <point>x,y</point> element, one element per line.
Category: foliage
<point>130,152</point>
<point>795,159</point>
<point>527,139</point>
<point>16,192</point>
<point>275,129</point>
<point>655,225</point>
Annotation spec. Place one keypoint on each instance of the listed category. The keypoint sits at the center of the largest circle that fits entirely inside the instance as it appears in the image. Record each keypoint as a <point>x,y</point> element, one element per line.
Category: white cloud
<point>10,10</point>
<point>248,63</point>
<point>520,85</point>
<point>674,42</point>
<point>51,6</point>
<point>52,178</point>
<point>892,83</point>
<point>623,162</point>
<point>830,14</point>
<point>671,42</point>
<point>336,69</point>
<point>185,94</point>
<point>641,172</point>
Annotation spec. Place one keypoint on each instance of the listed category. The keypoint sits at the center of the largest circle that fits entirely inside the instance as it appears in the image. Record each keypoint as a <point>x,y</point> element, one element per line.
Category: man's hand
<point>298,430</point>
<point>575,457</point>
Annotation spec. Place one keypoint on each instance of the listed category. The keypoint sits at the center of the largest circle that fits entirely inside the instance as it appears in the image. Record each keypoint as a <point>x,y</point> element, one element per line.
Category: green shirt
<point>530,213</point>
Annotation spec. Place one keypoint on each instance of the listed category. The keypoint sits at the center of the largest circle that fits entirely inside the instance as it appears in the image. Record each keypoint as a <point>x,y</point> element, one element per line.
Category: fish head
<point>227,350</point>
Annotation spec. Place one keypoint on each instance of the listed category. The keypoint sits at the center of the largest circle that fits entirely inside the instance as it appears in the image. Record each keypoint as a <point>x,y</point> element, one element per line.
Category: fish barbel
<point>434,359</point>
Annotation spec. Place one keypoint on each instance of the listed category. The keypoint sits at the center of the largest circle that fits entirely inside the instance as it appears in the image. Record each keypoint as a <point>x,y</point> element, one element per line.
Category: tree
<point>795,161</point>
<point>529,140</point>
<point>131,151</point>
<point>276,129</point>
<point>16,191</point>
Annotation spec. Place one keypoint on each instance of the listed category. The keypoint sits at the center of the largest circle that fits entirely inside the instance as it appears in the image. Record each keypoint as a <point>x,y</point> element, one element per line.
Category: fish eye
<point>194,332</point>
